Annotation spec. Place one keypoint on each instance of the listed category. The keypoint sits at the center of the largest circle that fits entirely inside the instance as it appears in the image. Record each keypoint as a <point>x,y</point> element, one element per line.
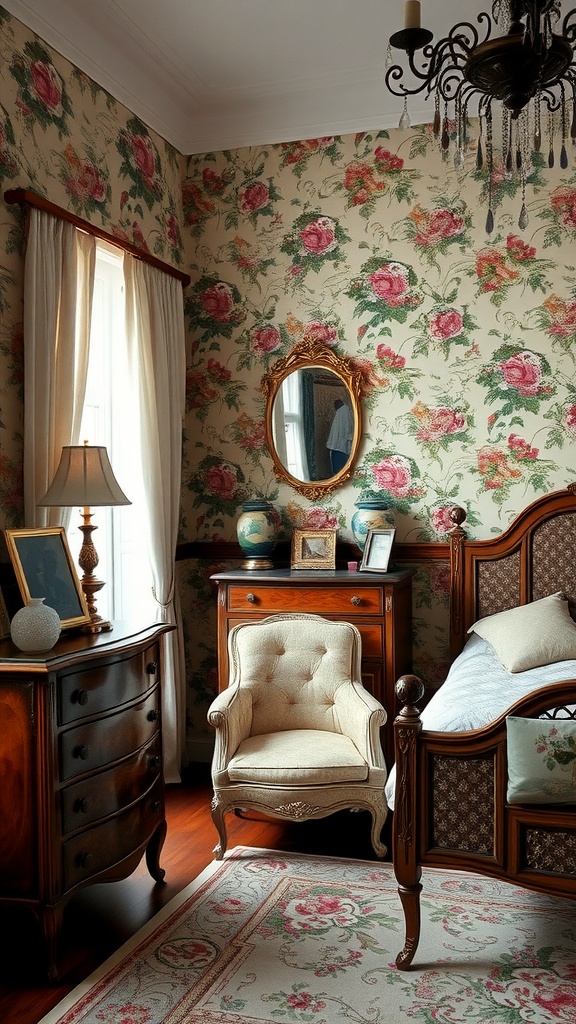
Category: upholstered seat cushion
<point>305,756</point>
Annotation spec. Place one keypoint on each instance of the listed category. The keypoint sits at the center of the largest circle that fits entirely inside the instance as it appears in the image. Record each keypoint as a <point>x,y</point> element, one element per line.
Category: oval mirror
<point>313,418</point>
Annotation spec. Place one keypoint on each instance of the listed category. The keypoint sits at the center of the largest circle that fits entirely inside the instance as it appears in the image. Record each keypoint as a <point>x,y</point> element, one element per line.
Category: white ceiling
<point>219,74</point>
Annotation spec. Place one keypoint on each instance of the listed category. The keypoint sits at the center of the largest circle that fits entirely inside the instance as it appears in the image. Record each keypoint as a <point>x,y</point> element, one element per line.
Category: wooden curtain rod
<point>24,197</point>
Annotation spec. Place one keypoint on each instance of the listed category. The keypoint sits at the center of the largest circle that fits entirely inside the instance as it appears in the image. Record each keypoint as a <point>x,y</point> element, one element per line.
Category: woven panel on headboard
<point>497,585</point>
<point>554,557</point>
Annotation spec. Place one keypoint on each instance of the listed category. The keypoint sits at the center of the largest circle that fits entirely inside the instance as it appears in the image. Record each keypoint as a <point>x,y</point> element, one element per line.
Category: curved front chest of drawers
<point>80,742</point>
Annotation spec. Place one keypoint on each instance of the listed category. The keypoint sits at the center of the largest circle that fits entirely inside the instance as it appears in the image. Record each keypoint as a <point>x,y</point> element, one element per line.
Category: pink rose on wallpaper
<point>519,249</point>
<point>440,519</point>
<point>390,359</point>
<point>435,226</point>
<point>143,153</point>
<point>393,474</point>
<point>570,419</point>
<point>221,481</point>
<point>563,203</point>
<point>521,449</point>
<point>265,339</point>
<point>439,422</point>
<point>448,323</point>
<point>47,84</point>
<point>523,372</point>
<point>387,161</point>
<point>254,196</point>
<point>218,301</point>
<point>217,370</point>
<point>86,184</point>
<point>391,283</point>
<point>319,519</point>
<point>318,331</point>
<point>173,231</point>
<point>319,236</point>
<point>198,391</point>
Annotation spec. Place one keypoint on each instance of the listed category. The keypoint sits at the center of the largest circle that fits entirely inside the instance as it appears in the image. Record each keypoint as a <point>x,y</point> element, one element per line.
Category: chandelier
<point>521,85</point>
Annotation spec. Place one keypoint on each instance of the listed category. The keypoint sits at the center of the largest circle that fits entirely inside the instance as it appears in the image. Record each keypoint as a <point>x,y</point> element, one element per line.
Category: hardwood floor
<point>101,918</point>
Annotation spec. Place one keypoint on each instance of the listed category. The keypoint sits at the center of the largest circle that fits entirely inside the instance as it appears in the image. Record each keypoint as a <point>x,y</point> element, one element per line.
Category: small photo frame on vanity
<point>43,567</point>
<point>313,549</point>
<point>377,550</point>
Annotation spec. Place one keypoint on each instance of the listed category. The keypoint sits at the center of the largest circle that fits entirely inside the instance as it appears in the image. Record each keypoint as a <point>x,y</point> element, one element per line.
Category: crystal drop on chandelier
<point>404,121</point>
<point>523,218</point>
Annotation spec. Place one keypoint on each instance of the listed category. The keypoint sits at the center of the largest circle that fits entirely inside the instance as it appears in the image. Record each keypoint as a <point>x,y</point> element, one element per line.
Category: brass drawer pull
<point>151,668</point>
<point>153,715</point>
<point>81,805</point>
<point>80,697</point>
<point>154,763</point>
<point>82,752</point>
<point>356,600</point>
<point>251,598</point>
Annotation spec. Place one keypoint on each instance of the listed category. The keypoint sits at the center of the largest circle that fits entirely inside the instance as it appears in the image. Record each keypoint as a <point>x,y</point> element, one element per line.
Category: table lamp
<point>84,477</point>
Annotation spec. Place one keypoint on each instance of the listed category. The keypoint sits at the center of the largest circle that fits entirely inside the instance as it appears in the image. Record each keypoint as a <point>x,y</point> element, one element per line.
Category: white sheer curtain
<point>156,352</point>
<point>58,288</point>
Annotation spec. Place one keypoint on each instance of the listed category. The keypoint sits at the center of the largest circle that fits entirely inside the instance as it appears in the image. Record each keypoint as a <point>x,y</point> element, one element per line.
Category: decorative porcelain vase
<point>257,530</point>
<point>372,513</point>
<point>36,626</point>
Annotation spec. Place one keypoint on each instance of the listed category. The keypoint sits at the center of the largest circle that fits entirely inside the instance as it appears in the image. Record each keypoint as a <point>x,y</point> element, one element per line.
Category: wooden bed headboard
<point>534,557</point>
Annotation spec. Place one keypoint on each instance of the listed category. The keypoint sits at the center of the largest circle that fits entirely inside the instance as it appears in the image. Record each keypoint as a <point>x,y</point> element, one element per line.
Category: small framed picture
<point>377,550</point>
<point>313,549</point>
<point>43,567</point>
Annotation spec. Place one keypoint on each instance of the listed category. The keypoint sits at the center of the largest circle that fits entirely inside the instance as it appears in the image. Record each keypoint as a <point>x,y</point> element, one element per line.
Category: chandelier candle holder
<point>524,79</point>
<point>84,478</point>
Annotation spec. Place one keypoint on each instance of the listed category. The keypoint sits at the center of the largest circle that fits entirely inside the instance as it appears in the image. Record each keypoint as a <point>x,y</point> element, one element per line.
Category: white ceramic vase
<point>36,626</point>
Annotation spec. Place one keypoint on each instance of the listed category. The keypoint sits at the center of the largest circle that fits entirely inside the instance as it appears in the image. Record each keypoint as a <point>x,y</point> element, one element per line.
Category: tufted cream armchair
<point>297,735</point>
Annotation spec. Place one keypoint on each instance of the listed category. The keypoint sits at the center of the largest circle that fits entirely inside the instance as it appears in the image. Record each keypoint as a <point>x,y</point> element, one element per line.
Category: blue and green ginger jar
<point>257,531</point>
<point>371,514</point>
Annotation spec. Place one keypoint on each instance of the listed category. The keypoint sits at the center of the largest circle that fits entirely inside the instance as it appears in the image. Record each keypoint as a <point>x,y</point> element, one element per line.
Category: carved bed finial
<point>457,515</point>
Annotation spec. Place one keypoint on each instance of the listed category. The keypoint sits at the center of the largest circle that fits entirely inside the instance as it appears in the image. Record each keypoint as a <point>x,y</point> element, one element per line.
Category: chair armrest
<point>361,717</point>
<point>230,714</point>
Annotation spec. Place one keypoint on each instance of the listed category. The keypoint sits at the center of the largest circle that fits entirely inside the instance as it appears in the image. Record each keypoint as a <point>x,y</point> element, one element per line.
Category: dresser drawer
<point>109,791</point>
<point>98,743</point>
<point>351,600</point>
<point>100,848</point>
<point>94,690</point>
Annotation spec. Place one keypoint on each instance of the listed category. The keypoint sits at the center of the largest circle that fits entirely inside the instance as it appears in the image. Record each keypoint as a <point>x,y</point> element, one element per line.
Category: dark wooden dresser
<point>379,604</point>
<point>81,785</point>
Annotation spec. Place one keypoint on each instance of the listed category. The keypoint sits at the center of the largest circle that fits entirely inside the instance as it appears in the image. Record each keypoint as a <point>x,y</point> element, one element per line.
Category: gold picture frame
<point>313,549</point>
<point>43,567</point>
<point>377,550</point>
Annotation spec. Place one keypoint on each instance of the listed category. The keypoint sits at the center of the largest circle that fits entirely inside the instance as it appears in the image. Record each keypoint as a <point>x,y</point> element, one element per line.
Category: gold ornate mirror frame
<point>310,354</point>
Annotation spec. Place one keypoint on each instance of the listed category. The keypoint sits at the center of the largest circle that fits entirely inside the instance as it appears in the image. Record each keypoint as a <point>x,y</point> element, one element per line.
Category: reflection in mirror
<point>313,418</point>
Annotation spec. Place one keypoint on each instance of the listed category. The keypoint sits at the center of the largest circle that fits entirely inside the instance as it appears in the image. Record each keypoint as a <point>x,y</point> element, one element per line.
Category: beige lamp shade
<point>84,477</point>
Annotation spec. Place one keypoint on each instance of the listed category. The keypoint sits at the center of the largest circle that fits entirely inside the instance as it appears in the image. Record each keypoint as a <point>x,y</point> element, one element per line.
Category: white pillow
<point>534,634</point>
<point>541,761</point>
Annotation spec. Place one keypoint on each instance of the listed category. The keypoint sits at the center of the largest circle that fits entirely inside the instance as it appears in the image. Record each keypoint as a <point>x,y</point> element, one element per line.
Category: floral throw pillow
<point>541,760</point>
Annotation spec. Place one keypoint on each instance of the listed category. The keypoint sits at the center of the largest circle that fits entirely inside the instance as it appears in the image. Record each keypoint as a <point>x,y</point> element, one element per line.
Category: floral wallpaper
<point>373,244</point>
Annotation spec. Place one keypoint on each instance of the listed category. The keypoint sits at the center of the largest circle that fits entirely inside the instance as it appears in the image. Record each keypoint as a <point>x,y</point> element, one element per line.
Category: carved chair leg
<point>410,897</point>
<point>378,820</point>
<point>218,819</point>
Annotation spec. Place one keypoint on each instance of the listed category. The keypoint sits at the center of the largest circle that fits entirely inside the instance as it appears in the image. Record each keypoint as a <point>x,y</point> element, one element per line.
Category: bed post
<point>407,725</point>
<point>457,538</point>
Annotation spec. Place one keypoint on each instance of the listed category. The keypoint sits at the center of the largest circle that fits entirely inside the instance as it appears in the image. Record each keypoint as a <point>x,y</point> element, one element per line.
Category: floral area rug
<point>265,936</point>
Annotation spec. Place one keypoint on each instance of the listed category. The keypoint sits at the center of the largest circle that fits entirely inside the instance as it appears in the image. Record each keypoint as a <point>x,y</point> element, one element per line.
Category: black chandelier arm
<point>455,48</point>
<point>569,25</point>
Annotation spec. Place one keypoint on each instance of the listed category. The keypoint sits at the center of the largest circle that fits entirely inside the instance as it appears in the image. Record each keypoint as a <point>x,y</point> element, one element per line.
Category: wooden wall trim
<point>225,551</point>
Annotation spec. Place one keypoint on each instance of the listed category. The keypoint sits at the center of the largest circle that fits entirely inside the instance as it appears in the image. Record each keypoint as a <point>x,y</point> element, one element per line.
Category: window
<point>110,419</point>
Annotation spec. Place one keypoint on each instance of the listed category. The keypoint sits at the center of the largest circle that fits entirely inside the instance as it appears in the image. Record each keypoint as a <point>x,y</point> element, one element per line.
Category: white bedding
<point>478,689</point>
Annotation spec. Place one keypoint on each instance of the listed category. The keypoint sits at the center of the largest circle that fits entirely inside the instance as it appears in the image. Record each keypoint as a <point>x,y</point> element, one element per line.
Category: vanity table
<point>378,604</point>
<point>81,785</point>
